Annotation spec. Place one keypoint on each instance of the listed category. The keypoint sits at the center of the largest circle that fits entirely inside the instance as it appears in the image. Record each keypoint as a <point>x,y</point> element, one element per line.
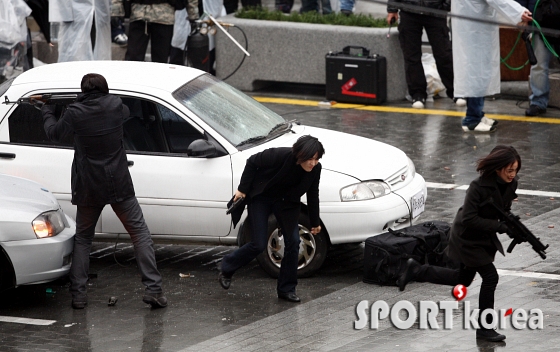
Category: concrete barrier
<point>295,53</point>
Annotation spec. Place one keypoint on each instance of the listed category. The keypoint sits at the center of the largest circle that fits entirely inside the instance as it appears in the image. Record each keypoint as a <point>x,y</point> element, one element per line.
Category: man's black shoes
<point>290,297</point>
<point>409,273</point>
<point>489,335</point>
<point>225,281</point>
<point>156,300</point>
<point>534,110</point>
<point>79,304</point>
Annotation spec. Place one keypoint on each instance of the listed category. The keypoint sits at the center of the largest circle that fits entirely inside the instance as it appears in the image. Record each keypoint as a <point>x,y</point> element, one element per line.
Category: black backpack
<point>385,255</point>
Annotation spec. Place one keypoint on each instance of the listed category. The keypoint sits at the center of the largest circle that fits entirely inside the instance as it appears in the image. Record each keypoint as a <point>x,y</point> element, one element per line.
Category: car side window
<point>26,127</point>
<point>178,132</point>
<point>142,129</point>
<point>153,128</point>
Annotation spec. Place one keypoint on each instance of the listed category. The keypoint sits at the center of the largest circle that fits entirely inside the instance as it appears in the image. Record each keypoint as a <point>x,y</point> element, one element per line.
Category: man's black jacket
<point>100,169</point>
<point>264,169</point>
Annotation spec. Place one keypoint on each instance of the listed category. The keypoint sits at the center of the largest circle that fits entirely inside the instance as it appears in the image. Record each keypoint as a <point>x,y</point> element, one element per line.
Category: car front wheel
<point>312,249</point>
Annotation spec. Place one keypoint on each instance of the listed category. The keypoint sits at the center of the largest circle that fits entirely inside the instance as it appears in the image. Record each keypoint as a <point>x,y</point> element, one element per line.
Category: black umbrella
<point>40,12</point>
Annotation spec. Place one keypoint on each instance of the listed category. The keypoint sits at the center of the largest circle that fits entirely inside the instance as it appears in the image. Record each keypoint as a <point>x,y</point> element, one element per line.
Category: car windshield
<point>237,117</point>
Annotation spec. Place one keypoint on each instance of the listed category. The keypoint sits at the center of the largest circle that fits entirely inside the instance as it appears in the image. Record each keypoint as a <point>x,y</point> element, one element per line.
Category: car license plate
<point>417,202</point>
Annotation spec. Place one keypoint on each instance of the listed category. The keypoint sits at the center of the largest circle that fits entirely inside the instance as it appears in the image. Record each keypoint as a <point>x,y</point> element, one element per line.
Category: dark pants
<point>140,33</point>
<point>410,38</point>
<point>287,215</point>
<point>464,276</point>
<point>130,214</point>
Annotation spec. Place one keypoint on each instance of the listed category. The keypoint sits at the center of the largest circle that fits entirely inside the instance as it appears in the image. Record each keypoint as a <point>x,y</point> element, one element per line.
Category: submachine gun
<point>518,232</point>
<point>50,99</point>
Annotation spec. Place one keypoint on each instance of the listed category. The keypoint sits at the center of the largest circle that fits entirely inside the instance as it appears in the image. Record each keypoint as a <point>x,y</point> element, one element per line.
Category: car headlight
<point>364,190</point>
<point>411,168</point>
<point>49,224</point>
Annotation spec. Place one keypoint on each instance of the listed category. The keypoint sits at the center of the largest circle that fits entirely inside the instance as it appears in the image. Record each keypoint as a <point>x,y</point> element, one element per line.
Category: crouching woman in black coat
<point>473,241</point>
<point>273,182</point>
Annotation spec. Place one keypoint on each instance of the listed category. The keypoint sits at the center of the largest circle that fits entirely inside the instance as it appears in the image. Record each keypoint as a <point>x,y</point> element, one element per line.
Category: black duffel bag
<point>385,255</point>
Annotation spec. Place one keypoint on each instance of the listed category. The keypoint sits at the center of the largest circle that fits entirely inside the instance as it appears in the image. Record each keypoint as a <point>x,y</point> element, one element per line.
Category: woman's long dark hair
<point>306,147</point>
<point>501,156</point>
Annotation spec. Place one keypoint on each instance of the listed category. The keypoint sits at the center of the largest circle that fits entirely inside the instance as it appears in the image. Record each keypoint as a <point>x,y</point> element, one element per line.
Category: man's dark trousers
<point>130,214</point>
<point>287,215</point>
<point>410,38</point>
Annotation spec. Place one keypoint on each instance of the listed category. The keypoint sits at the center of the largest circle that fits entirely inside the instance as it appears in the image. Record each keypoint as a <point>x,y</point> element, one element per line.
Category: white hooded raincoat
<point>476,45</point>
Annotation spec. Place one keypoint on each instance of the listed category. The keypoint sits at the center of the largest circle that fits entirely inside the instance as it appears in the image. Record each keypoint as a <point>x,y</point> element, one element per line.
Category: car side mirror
<point>201,148</point>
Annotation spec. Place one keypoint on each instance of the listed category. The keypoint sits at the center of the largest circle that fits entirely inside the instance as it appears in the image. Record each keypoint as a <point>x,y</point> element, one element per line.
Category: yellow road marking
<point>405,110</point>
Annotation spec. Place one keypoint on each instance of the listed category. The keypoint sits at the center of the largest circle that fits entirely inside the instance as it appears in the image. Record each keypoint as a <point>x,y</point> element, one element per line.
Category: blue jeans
<point>540,86</point>
<point>287,215</point>
<point>347,5</point>
<point>474,111</point>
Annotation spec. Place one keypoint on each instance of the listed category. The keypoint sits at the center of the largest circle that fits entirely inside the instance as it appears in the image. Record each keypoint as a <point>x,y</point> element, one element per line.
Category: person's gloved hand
<point>44,107</point>
<point>503,228</point>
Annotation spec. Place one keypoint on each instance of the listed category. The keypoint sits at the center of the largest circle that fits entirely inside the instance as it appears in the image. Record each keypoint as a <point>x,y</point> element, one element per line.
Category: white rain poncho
<point>76,18</point>
<point>476,45</point>
<point>216,9</point>
<point>13,25</point>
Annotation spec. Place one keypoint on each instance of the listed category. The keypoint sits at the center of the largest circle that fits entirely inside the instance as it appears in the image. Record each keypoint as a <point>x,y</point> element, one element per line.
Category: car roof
<point>166,77</point>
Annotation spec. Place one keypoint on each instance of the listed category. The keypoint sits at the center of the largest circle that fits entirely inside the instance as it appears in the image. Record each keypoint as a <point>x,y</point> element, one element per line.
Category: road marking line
<point>404,110</point>
<point>530,274</point>
<point>26,321</point>
<point>526,192</point>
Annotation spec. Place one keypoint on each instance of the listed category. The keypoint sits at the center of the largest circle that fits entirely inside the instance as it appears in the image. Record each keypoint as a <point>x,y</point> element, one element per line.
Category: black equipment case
<point>385,255</point>
<point>355,76</point>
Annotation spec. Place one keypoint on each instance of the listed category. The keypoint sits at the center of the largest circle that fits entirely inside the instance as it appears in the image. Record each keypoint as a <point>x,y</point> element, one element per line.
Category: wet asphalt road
<point>200,312</point>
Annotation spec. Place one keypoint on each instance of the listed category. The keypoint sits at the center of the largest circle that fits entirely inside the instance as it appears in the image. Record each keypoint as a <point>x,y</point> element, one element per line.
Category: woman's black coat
<point>473,240</point>
<point>100,168</point>
<point>264,169</point>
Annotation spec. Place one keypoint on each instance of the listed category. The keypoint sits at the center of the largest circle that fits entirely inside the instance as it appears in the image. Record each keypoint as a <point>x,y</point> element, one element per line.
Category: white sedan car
<point>187,139</point>
<point>36,237</point>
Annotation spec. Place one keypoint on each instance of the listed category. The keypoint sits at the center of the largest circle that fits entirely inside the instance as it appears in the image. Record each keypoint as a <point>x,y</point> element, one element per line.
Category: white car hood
<point>18,194</point>
<point>359,157</point>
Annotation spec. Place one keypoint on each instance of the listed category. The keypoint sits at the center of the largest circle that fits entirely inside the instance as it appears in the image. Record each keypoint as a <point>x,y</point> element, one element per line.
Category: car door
<point>179,195</point>
<point>25,151</point>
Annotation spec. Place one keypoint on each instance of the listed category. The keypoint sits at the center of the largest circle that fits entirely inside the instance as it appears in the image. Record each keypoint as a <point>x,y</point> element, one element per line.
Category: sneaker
<point>489,122</point>
<point>479,127</point>
<point>121,40</point>
<point>346,12</point>
<point>156,300</point>
<point>460,102</point>
<point>489,335</point>
<point>534,110</point>
<point>418,103</point>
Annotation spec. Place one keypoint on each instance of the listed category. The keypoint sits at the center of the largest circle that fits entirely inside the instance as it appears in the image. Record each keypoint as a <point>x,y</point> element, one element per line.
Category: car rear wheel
<point>312,249</point>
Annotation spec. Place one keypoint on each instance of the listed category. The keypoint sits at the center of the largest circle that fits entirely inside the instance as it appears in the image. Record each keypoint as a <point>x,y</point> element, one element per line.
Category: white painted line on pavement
<point>26,321</point>
<point>529,274</point>
<point>526,192</point>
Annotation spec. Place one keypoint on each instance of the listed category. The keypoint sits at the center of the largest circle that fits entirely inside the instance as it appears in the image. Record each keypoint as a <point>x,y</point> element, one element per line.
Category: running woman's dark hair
<point>501,156</point>
<point>94,82</point>
<point>306,147</point>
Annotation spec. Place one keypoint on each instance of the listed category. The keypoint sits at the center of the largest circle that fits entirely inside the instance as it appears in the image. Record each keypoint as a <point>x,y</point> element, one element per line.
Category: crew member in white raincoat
<point>76,19</point>
<point>476,54</point>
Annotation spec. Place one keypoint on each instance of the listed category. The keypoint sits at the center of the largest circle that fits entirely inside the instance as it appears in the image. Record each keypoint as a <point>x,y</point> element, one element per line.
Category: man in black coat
<point>273,182</point>
<point>100,176</point>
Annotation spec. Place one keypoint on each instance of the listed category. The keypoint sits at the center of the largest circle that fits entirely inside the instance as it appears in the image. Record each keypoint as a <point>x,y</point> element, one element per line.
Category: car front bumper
<point>41,260</point>
<point>351,222</point>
